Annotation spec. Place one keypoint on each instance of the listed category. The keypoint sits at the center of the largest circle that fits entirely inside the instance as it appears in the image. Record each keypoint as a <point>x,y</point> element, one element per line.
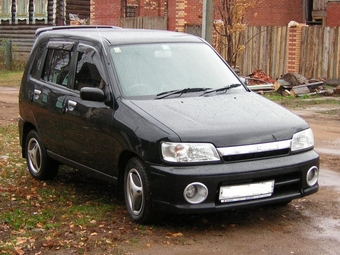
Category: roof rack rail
<point>44,29</point>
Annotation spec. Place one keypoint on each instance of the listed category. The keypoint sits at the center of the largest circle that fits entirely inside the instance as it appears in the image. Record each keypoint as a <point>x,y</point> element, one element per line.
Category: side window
<point>38,61</point>
<point>89,69</point>
<point>57,65</point>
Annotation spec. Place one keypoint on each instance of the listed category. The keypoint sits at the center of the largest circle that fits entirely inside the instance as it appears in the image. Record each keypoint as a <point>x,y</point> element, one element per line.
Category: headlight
<point>303,140</point>
<point>189,152</point>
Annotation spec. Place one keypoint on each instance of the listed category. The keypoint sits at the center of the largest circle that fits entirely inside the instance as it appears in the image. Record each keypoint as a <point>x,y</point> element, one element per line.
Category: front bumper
<point>289,173</point>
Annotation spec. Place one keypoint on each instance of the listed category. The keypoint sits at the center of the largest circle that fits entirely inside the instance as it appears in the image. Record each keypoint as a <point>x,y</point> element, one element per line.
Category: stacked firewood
<point>290,84</point>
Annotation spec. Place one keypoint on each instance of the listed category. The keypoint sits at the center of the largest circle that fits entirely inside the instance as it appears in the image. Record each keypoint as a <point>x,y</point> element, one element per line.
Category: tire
<point>40,166</point>
<point>137,192</point>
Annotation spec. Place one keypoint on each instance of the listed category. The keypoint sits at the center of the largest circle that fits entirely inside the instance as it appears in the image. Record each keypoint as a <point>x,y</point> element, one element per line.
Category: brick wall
<point>276,13</point>
<point>151,8</point>
<point>293,49</point>
<point>333,14</point>
<point>105,12</point>
<point>183,12</point>
<point>108,12</point>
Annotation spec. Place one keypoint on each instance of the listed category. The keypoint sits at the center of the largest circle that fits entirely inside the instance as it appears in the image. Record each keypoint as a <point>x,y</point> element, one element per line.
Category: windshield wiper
<point>180,91</point>
<point>221,89</point>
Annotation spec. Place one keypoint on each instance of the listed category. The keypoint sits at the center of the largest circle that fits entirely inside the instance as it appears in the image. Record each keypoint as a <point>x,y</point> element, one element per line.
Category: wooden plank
<point>316,42</point>
<point>263,49</point>
<point>309,51</point>
<point>320,50</point>
<point>266,49</point>
<point>273,52</point>
<point>278,53</point>
<point>268,86</point>
<point>330,61</point>
<point>295,91</point>
<point>283,47</point>
<point>325,51</point>
<point>336,70</point>
<point>303,52</point>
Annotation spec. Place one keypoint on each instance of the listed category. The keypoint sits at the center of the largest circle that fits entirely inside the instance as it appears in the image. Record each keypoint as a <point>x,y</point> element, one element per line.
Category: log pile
<point>293,84</point>
<point>290,84</point>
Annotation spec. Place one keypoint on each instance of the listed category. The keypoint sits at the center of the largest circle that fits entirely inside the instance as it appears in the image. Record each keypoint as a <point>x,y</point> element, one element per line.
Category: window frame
<point>98,62</point>
<point>54,46</point>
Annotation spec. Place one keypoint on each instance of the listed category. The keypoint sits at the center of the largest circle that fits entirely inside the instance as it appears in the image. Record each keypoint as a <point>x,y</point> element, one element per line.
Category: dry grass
<point>10,78</point>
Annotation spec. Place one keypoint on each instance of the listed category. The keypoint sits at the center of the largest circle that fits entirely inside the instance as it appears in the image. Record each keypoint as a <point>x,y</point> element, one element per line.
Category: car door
<point>48,85</point>
<point>87,124</point>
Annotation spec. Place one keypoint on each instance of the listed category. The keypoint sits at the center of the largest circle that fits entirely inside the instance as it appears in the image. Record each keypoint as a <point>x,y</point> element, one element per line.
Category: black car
<point>163,117</point>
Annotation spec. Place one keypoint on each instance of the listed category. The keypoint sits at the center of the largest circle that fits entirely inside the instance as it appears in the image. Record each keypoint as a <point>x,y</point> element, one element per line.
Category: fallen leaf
<point>19,251</point>
<point>48,244</point>
<point>177,234</point>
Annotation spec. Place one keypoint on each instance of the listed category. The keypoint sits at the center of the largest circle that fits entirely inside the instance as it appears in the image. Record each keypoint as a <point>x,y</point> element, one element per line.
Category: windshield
<point>152,69</point>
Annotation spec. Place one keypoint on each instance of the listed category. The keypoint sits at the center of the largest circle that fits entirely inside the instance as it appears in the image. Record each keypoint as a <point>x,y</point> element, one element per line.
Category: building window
<point>6,10</point>
<point>129,8</point>
<point>131,11</point>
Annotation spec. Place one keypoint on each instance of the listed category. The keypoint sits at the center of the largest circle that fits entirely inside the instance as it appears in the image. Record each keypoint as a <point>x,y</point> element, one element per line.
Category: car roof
<point>115,35</point>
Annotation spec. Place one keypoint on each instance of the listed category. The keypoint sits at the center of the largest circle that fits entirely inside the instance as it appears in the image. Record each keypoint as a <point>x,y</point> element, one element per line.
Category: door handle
<point>70,105</point>
<point>36,94</point>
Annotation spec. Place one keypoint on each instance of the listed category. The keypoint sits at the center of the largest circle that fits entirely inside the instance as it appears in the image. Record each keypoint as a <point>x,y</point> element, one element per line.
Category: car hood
<point>224,120</point>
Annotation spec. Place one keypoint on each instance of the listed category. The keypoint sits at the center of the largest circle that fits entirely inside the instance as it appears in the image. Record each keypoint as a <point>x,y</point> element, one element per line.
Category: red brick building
<point>182,14</point>
<point>333,14</point>
<point>179,12</point>
<point>276,13</point>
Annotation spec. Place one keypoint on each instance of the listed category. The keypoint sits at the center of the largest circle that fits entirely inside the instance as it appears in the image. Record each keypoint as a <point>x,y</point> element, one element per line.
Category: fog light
<point>195,193</point>
<point>312,176</point>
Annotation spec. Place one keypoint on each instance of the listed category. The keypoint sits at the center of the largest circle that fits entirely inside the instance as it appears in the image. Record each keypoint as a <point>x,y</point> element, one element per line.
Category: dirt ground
<point>310,225</point>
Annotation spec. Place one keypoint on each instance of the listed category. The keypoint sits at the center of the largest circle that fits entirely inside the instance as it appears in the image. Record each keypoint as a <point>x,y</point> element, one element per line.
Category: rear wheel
<point>40,166</point>
<point>137,191</point>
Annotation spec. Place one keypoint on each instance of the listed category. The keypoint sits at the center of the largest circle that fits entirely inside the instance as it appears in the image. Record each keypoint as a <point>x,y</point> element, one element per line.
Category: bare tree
<point>232,15</point>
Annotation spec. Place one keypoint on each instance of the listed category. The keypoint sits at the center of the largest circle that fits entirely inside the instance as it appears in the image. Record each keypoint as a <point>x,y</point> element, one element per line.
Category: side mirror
<point>92,94</point>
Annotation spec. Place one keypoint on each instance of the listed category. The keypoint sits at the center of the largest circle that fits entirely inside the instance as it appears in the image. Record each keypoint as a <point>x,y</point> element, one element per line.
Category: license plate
<point>246,191</point>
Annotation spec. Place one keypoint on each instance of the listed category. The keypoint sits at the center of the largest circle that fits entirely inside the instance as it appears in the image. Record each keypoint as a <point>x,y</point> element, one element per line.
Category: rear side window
<point>57,66</point>
<point>57,63</point>
<point>38,61</point>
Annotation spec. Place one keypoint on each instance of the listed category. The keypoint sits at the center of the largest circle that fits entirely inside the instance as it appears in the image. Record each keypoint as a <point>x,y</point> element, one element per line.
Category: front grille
<point>257,155</point>
<point>287,183</point>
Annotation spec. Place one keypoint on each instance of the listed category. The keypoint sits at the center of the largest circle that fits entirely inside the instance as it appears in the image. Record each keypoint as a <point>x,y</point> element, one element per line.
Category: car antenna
<point>101,41</point>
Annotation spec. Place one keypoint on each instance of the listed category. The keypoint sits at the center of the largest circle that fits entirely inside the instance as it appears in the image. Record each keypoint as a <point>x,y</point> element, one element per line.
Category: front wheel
<point>137,191</point>
<point>41,167</point>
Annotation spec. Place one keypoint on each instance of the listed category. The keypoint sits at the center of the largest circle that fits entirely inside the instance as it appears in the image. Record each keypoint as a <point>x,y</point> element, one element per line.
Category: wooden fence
<point>320,52</point>
<point>159,23</point>
<point>266,49</point>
